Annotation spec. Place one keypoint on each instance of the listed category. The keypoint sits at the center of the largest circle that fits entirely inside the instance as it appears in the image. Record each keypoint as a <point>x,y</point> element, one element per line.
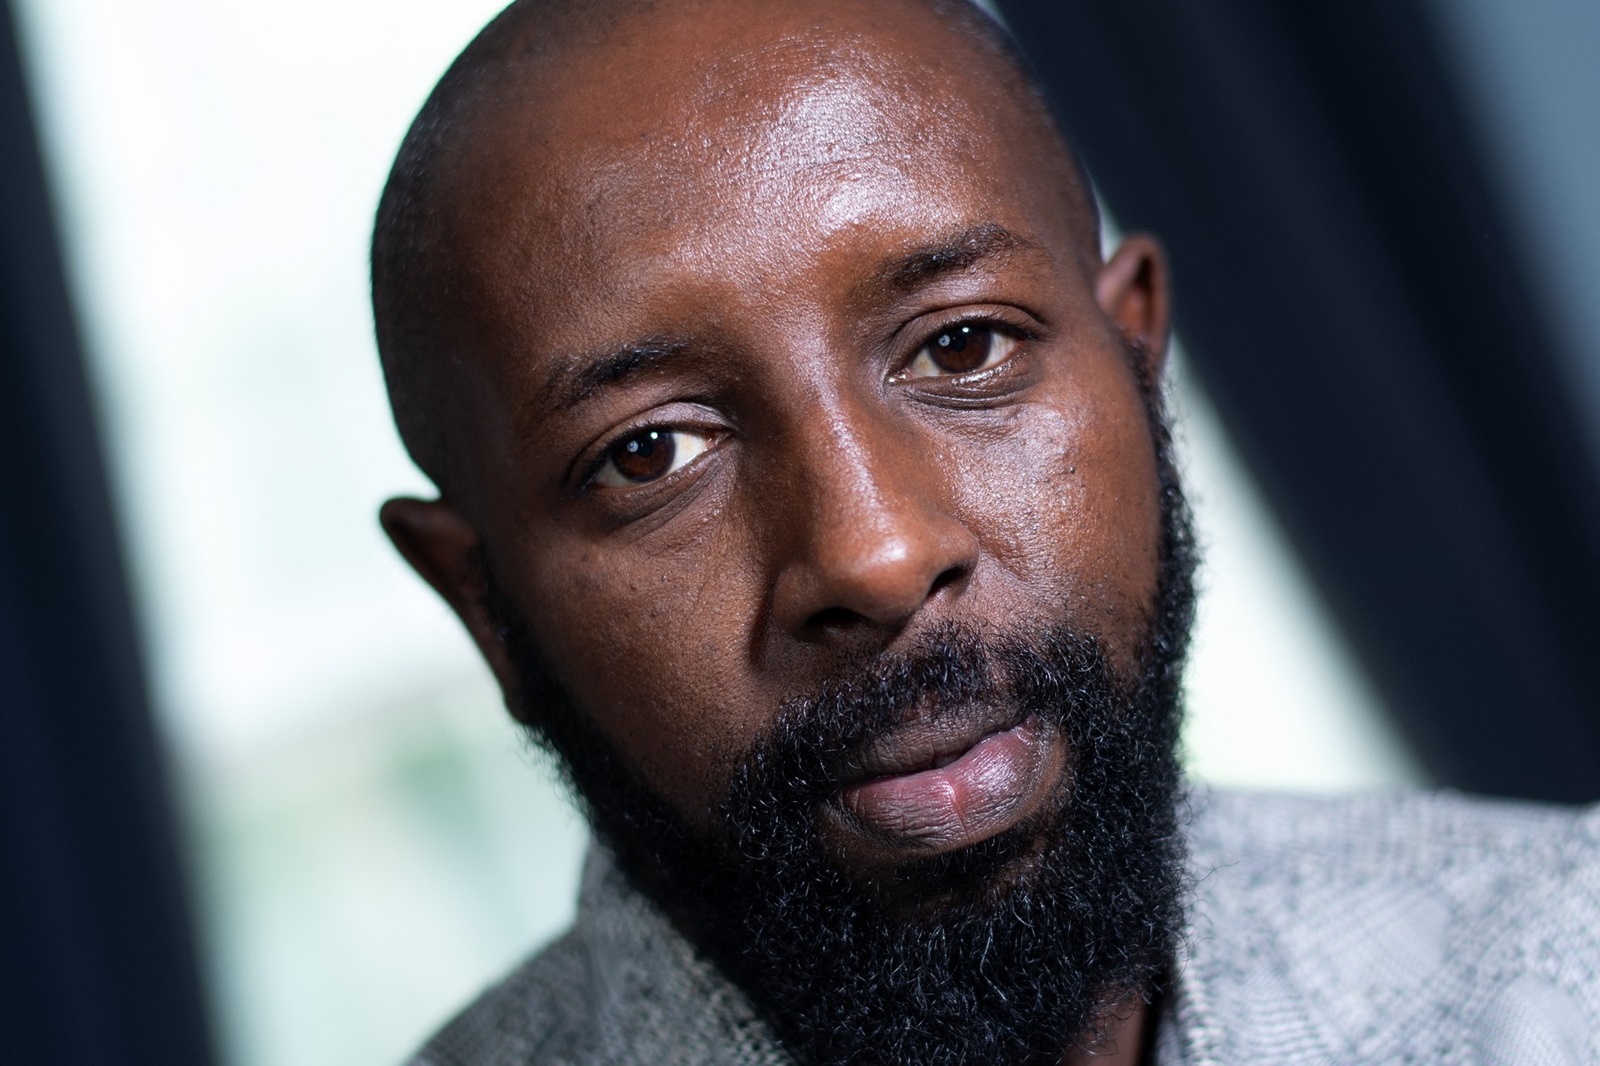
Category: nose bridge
<point>871,537</point>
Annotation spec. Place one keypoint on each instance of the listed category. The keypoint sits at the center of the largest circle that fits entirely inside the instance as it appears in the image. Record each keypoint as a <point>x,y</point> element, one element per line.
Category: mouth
<point>932,787</point>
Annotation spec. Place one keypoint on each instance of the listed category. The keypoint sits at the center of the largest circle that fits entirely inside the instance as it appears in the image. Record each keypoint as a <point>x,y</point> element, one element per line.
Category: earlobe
<point>1132,290</point>
<point>445,549</point>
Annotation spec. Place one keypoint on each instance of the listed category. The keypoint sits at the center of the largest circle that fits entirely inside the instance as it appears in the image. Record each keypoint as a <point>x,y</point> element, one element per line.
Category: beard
<point>1010,950</point>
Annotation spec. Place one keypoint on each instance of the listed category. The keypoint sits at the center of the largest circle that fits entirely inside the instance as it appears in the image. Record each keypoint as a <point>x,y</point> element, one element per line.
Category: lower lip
<point>997,783</point>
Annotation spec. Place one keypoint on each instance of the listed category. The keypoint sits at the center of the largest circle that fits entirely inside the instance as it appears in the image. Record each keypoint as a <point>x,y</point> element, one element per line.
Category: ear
<point>1132,290</point>
<point>445,548</point>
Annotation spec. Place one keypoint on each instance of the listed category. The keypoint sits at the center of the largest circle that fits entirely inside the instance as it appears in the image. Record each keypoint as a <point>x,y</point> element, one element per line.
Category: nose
<point>870,538</point>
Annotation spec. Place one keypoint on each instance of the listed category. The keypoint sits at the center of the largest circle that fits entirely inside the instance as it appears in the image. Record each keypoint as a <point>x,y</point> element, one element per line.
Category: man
<point>804,482</point>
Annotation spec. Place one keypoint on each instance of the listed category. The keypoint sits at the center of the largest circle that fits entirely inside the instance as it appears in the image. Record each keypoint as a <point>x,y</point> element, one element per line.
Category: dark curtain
<point>97,963</point>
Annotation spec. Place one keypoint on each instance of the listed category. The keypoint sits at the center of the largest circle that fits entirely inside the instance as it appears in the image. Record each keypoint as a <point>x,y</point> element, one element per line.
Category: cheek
<point>653,645</point>
<point>1065,500</point>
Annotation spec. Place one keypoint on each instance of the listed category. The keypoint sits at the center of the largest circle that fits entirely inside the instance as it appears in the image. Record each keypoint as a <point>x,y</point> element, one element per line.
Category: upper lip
<point>927,742</point>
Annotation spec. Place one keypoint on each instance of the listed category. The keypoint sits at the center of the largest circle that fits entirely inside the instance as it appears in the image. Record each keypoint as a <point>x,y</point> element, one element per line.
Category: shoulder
<point>539,1013</point>
<point>1391,836</point>
<point>1480,873</point>
<point>1485,870</point>
<point>1445,925</point>
<point>623,987</point>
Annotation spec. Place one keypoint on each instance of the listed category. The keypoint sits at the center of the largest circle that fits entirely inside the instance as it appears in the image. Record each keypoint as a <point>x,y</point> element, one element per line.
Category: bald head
<point>511,162</point>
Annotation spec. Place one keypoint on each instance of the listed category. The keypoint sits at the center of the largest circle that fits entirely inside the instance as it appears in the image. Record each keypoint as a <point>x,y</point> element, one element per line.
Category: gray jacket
<point>1416,929</point>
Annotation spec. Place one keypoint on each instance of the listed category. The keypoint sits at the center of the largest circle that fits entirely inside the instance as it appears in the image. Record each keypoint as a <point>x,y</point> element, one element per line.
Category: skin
<point>740,198</point>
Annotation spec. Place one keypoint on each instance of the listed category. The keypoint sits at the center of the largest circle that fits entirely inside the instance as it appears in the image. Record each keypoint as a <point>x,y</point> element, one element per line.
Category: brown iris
<point>646,456</point>
<point>961,349</point>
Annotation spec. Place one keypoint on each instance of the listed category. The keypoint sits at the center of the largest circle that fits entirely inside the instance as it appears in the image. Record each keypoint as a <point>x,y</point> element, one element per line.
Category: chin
<point>858,944</point>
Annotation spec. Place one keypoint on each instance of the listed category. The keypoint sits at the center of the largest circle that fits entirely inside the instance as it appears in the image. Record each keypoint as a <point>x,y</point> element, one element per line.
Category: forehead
<point>731,140</point>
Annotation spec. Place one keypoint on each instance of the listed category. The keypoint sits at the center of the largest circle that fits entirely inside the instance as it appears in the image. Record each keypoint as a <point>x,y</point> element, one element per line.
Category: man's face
<point>791,354</point>
<point>812,462</point>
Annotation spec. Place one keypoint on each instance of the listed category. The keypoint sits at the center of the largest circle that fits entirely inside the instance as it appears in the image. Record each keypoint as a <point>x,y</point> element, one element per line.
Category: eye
<point>649,456</point>
<point>962,349</point>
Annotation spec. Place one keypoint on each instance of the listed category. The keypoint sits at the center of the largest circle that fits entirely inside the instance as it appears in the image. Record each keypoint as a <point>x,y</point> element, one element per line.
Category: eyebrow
<point>582,377</point>
<point>959,251</point>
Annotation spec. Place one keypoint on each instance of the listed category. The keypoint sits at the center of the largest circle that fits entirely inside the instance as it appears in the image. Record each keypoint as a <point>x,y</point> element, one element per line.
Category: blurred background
<point>261,805</point>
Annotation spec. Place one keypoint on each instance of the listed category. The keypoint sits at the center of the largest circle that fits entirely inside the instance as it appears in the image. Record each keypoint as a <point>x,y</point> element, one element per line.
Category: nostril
<point>953,576</point>
<point>833,618</point>
<point>837,618</point>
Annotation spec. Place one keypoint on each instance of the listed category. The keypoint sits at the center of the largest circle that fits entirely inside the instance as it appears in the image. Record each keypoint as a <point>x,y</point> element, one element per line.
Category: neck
<point>1123,1042</point>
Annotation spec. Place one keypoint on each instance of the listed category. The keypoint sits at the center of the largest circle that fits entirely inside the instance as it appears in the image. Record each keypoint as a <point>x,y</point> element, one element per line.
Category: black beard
<point>1011,950</point>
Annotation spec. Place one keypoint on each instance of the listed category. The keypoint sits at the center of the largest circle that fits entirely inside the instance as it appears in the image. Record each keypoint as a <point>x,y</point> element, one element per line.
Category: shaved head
<point>425,277</point>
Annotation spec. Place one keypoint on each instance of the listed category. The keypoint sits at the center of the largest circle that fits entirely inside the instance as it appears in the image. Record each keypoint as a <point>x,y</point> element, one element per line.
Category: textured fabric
<point>1395,929</point>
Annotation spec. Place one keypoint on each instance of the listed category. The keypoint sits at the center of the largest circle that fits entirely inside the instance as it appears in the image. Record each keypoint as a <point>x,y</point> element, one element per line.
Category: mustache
<point>828,730</point>
<point>956,682</point>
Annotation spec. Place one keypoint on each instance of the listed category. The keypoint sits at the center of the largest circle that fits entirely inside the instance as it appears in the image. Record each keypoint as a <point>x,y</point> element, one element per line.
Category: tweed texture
<point>1384,929</point>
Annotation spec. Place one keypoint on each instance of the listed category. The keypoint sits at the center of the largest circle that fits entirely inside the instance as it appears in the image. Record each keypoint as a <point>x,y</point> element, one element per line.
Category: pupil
<point>645,457</point>
<point>962,349</point>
